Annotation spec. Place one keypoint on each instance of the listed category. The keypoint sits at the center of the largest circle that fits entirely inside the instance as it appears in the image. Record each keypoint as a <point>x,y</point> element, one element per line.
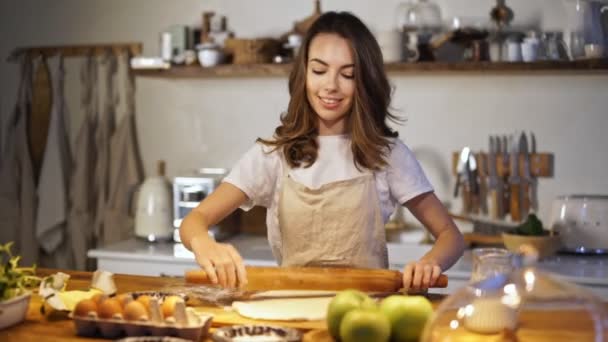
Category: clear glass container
<point>523,305</point>
<point>422,15</point>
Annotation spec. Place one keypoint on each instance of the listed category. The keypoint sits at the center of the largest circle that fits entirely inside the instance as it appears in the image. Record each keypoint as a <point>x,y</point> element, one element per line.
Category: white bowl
<point>14,310</point>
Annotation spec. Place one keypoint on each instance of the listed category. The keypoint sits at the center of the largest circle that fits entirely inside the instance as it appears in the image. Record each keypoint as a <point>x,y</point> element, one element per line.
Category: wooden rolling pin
<point>318,278</point>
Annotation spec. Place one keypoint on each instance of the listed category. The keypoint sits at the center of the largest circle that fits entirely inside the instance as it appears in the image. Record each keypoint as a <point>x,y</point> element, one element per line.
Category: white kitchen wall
<point>211,122</point>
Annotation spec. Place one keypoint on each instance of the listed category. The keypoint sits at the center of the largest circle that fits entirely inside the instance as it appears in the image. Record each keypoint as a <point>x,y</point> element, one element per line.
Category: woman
<point>333,172</point>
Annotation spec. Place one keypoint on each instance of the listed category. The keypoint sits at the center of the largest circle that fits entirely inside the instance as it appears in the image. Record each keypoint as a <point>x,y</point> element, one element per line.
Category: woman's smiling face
<point>330,84</point>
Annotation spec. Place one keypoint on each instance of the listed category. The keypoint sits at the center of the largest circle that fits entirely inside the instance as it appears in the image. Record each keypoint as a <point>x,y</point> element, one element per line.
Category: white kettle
<point>153,217</point>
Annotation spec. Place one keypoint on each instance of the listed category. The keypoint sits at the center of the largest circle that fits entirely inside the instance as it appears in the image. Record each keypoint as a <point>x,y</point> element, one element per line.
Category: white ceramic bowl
<point>14,310</point>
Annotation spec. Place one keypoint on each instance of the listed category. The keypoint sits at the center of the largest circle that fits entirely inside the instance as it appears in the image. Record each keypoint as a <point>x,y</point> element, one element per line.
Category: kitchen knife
<point>533,179</point>
<point>461,168</point>
<point>462,179</point>
<point>526,177</point>
<point>514,181</point>
<point>506,193</point>
<point>494,182</point>
<point>473,183</point>
<point>317,278</point>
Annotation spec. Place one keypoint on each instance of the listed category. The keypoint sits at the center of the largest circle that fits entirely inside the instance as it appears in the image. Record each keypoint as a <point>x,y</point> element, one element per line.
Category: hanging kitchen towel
<point>52,188</point>
<point>104,133</point>
<point>39,120</point>
<point>9,185</point>
<point>17,189</point>
<point>83,194</point>
<point>125,167</point>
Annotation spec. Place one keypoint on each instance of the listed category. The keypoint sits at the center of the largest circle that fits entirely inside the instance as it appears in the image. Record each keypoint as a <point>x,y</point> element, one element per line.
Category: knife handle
<point>525,198</point>
<point>515,205</point>
<point>483,194</point>
<point>495,205</point>
<point>506,198</point>
<point>466,199</point>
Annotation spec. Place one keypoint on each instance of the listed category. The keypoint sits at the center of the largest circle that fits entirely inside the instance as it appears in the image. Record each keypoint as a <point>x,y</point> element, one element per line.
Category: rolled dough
<point>287,309</point>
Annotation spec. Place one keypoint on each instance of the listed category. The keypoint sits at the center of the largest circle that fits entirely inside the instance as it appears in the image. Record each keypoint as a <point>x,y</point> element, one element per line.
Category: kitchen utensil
<point>489,262</point>
<point>519,306</point>
<point>533,179</point>
<point>495,186</point>
<point>545,245</point>
<point>209,54</point>
<point>461,168</point>
<point>593,51</point>
<point>390,43</point>
<point>554,47</point>
<point>473,183</point>
<point>153,216</point>
<point>502,148</point>
<point>529,49</point>
<point>582,222</point>
<point>514,51</point>
<point>423,15</point>
<point>587,24</point>
<point>317,278</point>
<point>515,182</point>
<point>526,177</point>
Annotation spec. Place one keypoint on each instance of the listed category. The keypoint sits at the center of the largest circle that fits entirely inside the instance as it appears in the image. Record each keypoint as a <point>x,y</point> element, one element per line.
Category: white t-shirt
<point>259,174</point>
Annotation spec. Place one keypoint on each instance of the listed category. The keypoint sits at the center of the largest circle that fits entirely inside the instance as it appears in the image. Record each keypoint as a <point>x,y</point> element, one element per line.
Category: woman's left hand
<point>420,275</point>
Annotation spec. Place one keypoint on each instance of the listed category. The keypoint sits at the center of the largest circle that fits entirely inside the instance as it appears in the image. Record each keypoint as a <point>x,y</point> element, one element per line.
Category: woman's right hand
<point>221,261</point>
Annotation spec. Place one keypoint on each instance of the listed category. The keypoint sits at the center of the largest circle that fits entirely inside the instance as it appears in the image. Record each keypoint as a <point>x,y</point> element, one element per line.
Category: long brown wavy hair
<point>366,122</point>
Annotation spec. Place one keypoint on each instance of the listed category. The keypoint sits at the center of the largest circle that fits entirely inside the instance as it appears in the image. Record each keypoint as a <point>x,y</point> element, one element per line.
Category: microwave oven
<point>190,190</point>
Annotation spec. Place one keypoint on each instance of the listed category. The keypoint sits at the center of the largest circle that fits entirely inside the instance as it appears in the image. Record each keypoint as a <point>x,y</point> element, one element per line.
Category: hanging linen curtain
<point>17,188</point>
<point>104,133</point>
<point>83,192</point>
<point>55,172</point>
<point>126,171</point>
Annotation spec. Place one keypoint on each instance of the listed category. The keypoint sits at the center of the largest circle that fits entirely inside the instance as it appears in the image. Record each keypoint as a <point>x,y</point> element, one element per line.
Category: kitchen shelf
<point>281,70</point>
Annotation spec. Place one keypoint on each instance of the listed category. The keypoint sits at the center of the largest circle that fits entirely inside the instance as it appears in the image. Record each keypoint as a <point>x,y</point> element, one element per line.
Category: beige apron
<point>340,224</point>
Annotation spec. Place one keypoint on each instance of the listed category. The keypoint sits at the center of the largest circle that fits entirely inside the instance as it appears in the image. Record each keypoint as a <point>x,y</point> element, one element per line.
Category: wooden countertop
<point>58,327</point>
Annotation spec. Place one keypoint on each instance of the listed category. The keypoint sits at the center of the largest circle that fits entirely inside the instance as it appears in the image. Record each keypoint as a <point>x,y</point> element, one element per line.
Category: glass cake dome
<point>523,305</point>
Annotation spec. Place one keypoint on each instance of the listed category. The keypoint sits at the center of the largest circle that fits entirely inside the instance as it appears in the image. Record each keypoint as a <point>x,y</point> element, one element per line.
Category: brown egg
<point>124,299</point>
<point>168,305</point>
<point>136,311</point>
<point>110,308</point>
<point>145,300</point>
<point>85,307</point>
<point>99,297</point>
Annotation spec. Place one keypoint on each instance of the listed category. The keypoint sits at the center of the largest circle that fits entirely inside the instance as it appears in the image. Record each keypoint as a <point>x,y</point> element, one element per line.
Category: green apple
<point>341,304</point>
<point>407,315</point>
<point>365,325</point>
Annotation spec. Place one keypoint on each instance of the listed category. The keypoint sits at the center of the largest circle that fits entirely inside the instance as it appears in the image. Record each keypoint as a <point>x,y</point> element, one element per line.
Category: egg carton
<point>197,327</point>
